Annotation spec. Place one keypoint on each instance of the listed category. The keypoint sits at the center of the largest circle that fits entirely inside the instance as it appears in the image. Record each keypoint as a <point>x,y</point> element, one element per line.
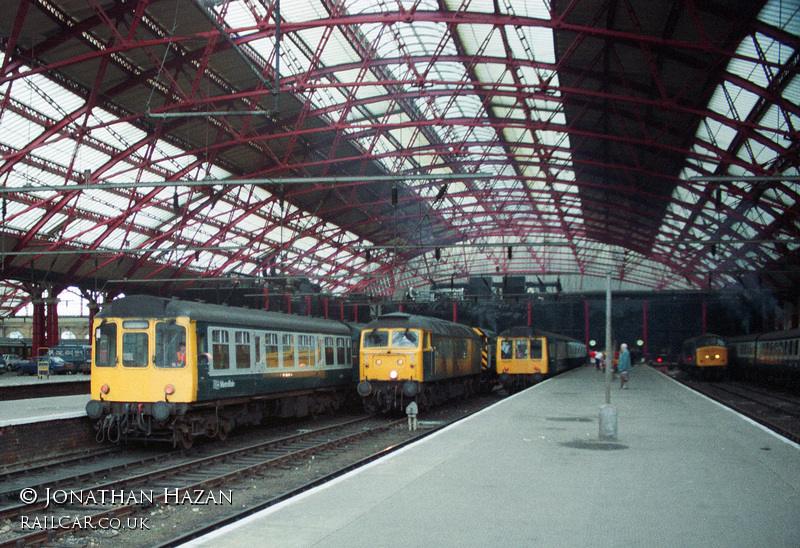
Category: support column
<point>703,316</point>
<point>93,309</point>
<point>644,328</point>
<point>53,336</point>
<point>586,325</point>
<point>37,332</point>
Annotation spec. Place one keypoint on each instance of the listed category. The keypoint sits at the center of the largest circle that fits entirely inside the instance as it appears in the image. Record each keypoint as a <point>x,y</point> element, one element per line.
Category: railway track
<point>47,510</point>
<point>169,498</point>
<point>777,411</point>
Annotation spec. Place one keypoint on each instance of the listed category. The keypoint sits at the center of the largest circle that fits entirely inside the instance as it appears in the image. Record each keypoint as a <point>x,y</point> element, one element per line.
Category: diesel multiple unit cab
<point>526,355</point>
<point>175,370</point>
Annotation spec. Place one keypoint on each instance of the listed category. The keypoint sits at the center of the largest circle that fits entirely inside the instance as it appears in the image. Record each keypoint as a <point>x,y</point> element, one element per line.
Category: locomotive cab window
<point>376,338</point>
<point>170,345</point>
<point>405,339</point>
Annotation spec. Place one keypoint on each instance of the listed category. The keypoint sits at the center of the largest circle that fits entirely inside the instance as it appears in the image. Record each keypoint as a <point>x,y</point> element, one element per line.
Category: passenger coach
<point>763,356</point>
<point>526,355</point>
<point>174,370</point>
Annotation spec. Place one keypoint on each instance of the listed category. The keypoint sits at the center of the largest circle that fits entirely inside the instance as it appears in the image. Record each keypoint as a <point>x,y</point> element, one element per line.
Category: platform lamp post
<point>608,413</point>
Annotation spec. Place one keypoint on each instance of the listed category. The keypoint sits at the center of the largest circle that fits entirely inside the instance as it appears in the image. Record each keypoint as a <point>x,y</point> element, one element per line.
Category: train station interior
<point>489,162</point>
<point>565,178</point>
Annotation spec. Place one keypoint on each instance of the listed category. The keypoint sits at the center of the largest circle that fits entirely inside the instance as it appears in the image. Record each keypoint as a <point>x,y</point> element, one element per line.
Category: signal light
<point>169,390</point>
<point>105,389</point>
<point>393,374</point>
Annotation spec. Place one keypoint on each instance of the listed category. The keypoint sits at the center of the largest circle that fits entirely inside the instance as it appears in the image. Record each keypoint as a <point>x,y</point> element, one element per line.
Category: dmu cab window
<point>506,352</point>
<point>106,345</point>
<point>135,349</point>
<point>521,349</point>
<point>169,338</point>
<point>536,349</point>
<point>376,338</point>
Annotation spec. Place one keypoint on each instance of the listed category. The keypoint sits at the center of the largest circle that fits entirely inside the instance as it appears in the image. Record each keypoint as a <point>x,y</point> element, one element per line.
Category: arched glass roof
<point>376,146</point>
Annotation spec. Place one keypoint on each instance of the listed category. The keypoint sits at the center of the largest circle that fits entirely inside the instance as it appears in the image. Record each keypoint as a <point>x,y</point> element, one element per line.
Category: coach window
<point>242,339</point>
<point>307,350</point>
<point>341,350</point>
<point>169,338</point>
<point>106,345</point>
<point>287,350</point>
<point>330,351</point>
<point>271,353</point>
<point>219,349</point>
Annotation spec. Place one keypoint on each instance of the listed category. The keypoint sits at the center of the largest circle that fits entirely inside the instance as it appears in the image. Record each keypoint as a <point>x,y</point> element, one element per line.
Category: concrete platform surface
<point>531,471</point>
<point>14,412</point>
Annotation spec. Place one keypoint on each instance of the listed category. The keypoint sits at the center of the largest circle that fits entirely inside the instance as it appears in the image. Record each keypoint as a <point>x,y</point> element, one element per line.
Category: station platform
<point>531,471</point>
<point>12,379</point>
<point>16,412</point>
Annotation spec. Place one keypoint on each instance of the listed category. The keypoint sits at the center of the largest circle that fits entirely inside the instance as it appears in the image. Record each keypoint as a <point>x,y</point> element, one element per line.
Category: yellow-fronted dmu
<point>526,355</point>
<point>172,370</point>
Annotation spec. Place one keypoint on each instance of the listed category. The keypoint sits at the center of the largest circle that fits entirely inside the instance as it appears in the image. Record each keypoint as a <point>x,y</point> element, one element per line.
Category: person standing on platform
<point>411,412</point>
<point>624,365</point>
<point>599,360</point>
<point>593,359</point>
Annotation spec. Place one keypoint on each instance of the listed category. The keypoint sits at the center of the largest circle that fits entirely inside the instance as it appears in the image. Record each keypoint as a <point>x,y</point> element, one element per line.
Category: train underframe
<point>514,382</point>
<point>708,372</point>
<point>388,396</point>
<point>182,423</point>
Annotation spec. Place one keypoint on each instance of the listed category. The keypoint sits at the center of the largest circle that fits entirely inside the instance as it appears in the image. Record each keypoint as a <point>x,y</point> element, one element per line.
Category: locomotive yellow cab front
<point>391,355</point>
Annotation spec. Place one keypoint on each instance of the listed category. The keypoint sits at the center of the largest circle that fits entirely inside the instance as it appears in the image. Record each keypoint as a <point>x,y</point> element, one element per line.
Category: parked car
<point>31,367</point>
<point>9,360</point>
